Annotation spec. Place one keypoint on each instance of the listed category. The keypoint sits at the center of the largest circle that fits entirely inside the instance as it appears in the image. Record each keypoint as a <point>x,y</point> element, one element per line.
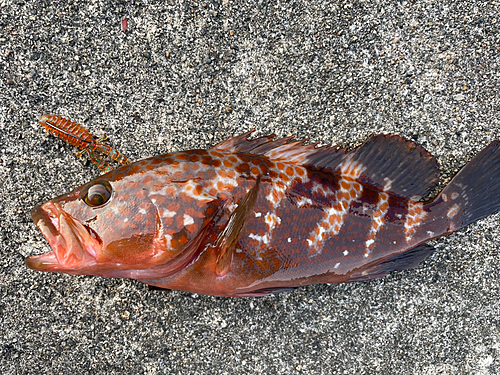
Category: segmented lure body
<point>76,135</point>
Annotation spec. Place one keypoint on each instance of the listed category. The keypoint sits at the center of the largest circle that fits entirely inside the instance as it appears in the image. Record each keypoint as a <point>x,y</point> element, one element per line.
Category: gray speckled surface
<point>189,74</point>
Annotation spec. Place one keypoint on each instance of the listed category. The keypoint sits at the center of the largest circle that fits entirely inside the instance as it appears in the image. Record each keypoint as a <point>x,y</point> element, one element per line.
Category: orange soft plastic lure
<point>76,135</point>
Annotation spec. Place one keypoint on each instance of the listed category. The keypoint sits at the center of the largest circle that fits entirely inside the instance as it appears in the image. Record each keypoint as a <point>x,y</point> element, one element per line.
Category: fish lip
<point>73,247</point>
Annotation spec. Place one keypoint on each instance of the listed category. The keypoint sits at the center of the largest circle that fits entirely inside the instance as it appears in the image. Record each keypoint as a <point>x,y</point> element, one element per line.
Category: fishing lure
<point>76,135</point>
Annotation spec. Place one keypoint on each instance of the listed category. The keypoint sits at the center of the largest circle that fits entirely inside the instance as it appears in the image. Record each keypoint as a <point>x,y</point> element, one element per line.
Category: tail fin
<point>474,192</point>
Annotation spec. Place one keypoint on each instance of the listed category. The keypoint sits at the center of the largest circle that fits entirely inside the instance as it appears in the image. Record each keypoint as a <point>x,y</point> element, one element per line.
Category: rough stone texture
<point>189,74</point>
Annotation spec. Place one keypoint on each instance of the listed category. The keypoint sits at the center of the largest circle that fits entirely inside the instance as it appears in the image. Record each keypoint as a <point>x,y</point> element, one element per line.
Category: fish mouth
<point>74,245</point>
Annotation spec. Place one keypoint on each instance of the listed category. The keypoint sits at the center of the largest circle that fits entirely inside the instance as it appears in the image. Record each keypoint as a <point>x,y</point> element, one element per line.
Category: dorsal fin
<point>397,165</point>
<point>389,162</point>
<point>326,157</point>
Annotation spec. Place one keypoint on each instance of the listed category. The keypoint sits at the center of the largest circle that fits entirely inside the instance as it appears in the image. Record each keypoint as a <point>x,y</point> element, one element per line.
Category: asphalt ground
<point>189,74</point>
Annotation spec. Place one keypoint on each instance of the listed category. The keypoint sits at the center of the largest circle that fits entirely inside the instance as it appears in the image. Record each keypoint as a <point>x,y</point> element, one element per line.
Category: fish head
<point>116,226</point>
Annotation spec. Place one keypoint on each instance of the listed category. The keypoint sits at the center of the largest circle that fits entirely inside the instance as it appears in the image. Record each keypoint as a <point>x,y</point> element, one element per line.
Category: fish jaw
<point>74,246</point>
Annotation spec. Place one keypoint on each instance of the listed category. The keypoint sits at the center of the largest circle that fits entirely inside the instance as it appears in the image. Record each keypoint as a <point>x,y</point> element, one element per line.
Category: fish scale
<point>253,217</point>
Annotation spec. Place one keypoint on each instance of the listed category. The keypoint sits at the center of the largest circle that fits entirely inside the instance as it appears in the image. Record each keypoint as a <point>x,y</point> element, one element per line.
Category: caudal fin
<point>474,192</point>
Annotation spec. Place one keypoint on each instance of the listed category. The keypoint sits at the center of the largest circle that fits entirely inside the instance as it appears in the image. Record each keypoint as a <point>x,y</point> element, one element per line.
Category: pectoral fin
<point>227,240</point>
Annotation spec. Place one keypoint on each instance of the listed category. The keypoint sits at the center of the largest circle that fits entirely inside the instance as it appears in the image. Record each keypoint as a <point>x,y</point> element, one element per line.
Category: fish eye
<point>98,194</point>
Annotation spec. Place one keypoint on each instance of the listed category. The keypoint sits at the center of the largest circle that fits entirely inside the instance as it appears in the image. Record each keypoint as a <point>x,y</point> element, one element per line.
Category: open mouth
<point>73,245</point>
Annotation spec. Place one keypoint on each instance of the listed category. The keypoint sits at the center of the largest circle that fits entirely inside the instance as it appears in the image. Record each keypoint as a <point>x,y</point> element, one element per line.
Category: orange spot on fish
<point>211,174</point>
<point>179,219</point>
<point>185,198</point>
<point>222,173</point>
<point>141,194</point>
<point>345,185</point>
<point>255,170</point>
<point>122,197</point>
<point>170,191</point>
<point>174,206</point>
<point>160,199</point>
<point>289,171</point>
<point>138,218</point>
<point>147,180</point>
<point>181,156</point>
<point>194,158</point>
<point>145,205</point>
<point>123,210</point>
<point>280,166</point>
<point>242,168</point>
<point>192,228</point>
<point>206,160</point>
<point>233,159</point>
<point>133,185</point>
<point>157,186</point>
<point>299,171</point>
<point>198,189</point>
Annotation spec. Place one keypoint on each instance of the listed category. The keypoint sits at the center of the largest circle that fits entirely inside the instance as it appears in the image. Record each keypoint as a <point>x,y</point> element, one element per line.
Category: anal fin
<point>404,261</point>
<point>266,291</point>
<point>228,238</point>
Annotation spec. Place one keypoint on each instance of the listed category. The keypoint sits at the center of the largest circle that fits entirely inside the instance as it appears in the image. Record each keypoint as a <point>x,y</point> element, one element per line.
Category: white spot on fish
<point>345,252</point>
<point>258,214</point>
<point>168,237</point>
<point>125,220</point>
<point>303,201</point>
<point>188,220</point>
<point>167,213</point>
<point>289,239</point>
<point>142,211</point>
<point>453,210</point>
<point>261,239</point>
<point>336,265</point>
<point>388,184</point>
<point>369,242</point>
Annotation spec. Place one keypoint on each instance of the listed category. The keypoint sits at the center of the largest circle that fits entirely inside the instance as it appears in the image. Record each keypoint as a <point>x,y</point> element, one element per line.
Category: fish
<point>252,217</point>
<point>76,135</point>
